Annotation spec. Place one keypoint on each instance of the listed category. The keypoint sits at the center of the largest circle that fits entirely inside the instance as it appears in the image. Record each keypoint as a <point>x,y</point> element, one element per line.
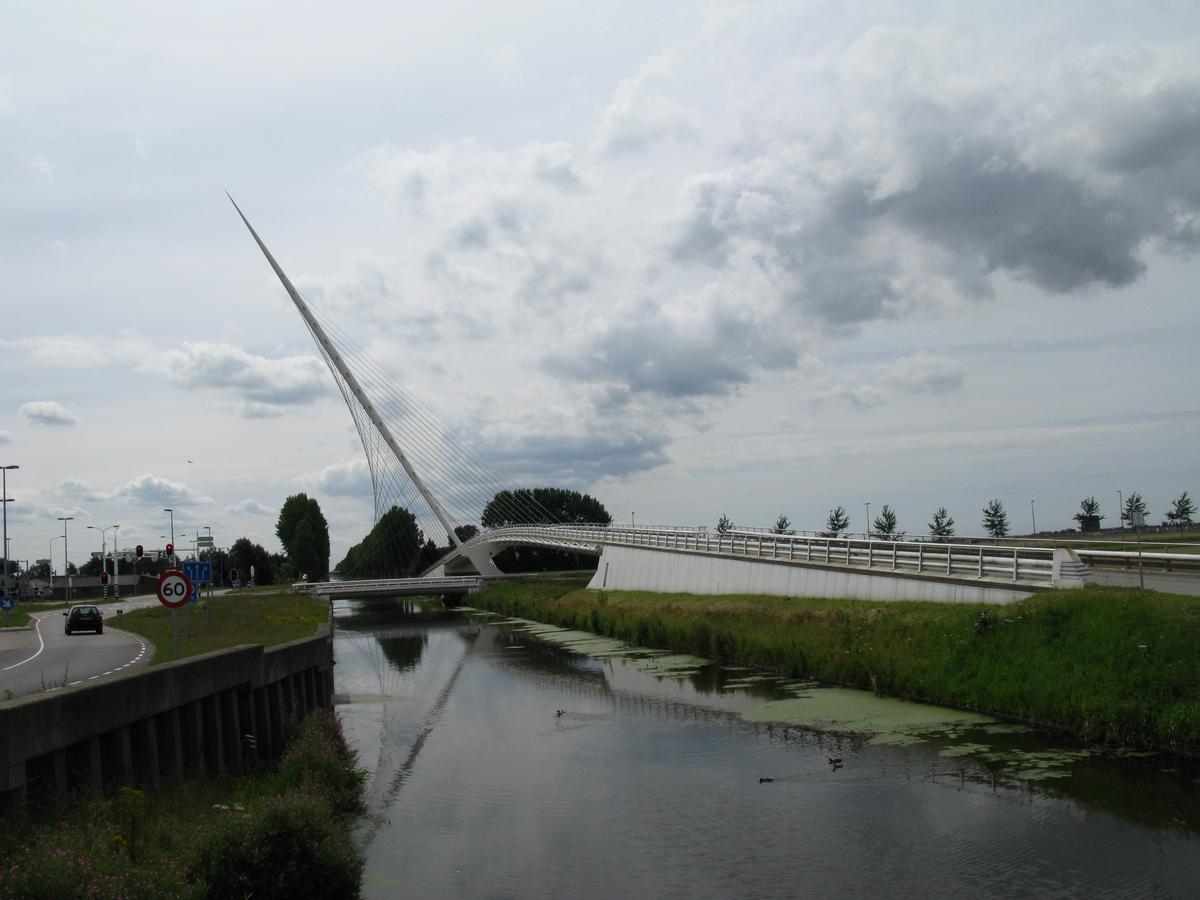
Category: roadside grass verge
<point>16,618</point>
<point>282,830</point>
<point>227,621</point>
<point>1103,664</point>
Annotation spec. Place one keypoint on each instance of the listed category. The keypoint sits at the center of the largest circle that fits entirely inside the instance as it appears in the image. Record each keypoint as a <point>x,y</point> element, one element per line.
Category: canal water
<point>511,759</point>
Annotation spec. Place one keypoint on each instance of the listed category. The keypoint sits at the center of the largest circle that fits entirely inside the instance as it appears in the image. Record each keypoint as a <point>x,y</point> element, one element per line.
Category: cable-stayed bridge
<point>420,464</point>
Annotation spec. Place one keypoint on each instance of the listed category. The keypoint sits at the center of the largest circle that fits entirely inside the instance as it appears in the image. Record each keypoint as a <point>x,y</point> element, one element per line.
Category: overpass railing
<point>450,584</point>
<point>1034,564</point>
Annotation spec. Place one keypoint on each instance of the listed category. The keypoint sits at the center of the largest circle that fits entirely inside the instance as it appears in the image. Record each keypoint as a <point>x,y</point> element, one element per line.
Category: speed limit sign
<point>174,588</point>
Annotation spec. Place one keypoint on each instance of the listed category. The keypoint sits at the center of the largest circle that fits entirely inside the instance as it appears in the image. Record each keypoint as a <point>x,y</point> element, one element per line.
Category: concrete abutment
<point>205,715</point>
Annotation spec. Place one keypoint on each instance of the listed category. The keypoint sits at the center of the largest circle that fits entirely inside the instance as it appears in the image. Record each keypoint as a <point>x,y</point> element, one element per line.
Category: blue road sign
<point>198,572</point>
<point>6,603</point>
<point>195,597</point>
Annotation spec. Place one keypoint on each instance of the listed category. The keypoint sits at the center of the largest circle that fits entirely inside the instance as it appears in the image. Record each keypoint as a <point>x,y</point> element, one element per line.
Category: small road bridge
<point>421,464</point>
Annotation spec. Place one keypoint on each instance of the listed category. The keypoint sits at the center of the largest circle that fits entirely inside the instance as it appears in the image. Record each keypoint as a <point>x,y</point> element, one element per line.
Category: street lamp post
<point>4,491</point>
<point>867,527</point>
<point>1033,516</point>
<point>1121,513</point>
<point>116,564</point>
<point>633,520</point>
<point>50,563</point>
<point>66,555</point>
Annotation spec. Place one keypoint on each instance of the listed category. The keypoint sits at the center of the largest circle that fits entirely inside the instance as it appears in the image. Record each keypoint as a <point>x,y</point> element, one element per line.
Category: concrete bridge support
<point>682,571</point>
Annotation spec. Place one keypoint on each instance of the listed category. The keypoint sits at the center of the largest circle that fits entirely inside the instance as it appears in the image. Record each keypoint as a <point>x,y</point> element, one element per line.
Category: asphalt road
<point>43,658</point>
<point>1156,580</point>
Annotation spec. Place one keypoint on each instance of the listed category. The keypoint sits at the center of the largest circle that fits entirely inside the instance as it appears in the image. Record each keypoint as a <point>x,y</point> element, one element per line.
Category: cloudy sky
<point>694,258</point>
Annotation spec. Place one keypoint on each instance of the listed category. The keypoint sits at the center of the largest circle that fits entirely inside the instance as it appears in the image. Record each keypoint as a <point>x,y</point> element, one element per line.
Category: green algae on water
<point>846,709</point>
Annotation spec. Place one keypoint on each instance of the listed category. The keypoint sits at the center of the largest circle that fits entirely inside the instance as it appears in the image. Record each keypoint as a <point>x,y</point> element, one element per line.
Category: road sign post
<point>174,588</point>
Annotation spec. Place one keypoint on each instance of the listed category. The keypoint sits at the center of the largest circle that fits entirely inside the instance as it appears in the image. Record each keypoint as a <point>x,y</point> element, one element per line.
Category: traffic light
<point>138,550</point>
<point>104,577</point>
<point>170,549</point>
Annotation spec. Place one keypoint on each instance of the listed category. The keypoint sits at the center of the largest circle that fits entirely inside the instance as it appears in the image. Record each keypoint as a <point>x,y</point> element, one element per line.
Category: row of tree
<point>1178,516</point>
<point>397,547</point>
<point>995,518</point>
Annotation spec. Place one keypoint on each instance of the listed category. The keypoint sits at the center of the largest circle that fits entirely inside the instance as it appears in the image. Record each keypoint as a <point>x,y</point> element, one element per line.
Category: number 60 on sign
<point>174,588</point>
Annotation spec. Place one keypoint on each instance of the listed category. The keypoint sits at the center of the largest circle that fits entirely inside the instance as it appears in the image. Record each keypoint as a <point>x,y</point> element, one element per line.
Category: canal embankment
<point>222,773</point>
<point>1108,665</point>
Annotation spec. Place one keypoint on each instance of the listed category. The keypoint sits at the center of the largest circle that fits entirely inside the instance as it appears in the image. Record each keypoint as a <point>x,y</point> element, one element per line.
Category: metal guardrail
<point>1031,564</point>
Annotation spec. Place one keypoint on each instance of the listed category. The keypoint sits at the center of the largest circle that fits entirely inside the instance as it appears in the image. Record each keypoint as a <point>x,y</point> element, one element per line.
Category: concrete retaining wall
<point>205,714</point>
<point>678,571</point>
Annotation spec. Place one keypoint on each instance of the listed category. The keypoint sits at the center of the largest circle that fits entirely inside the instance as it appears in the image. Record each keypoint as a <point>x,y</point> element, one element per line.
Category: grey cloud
<point>1042,226</point>
<point>48,412</point>
<point>857,243</point>
<point>260,385</point>
<point>77,490</point>
<point>5,437</point>
<point>472,234</point>
<point>1155,132</point>
<point>579,460</point>
<point>646,352</point>
<point>704,236</point>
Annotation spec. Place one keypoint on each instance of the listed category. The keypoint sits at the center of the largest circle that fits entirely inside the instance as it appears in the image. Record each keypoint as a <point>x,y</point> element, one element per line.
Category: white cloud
<point>923,373</point>
<point>258,385</point>
<point>48,412</point>
<point>155,489</point>
<point>345,479</point>
<point>249,506</point>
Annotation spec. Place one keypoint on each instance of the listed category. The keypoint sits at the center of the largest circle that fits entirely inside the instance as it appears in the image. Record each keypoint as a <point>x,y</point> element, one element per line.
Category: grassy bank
<point>226,621</point>
<point>281,831</point>
<point>1104,664</point>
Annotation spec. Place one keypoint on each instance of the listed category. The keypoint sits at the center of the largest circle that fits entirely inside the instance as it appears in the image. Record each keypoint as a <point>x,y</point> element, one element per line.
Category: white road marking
<point>37,625</point>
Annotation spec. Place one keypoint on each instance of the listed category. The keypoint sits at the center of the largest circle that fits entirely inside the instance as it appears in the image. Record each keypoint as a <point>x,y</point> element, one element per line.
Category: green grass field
<point>227,621</point>
<point>1104,664</point>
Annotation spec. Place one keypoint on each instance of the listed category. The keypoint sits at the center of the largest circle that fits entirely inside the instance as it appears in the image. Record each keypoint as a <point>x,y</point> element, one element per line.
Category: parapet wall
<point>206,714</point>
<point>680,571</point>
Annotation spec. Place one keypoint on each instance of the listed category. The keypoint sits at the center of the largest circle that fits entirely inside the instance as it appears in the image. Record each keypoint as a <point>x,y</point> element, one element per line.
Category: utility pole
<point>867,527</point>
<point>1033,516</point>
<point>66,555</point>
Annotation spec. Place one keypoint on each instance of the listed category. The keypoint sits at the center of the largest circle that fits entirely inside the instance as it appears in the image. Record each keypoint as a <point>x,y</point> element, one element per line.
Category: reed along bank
<point>1108,665</point>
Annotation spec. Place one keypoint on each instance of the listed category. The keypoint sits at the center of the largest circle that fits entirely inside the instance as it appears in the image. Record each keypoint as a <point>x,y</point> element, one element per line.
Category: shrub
<point>285,847</point>
<point>53,870</point>
<point>319,760</point>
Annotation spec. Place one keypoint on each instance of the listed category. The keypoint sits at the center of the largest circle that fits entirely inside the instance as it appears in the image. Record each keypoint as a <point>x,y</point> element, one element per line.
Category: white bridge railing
<point>1033,564</point>
<point>449,584</point>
